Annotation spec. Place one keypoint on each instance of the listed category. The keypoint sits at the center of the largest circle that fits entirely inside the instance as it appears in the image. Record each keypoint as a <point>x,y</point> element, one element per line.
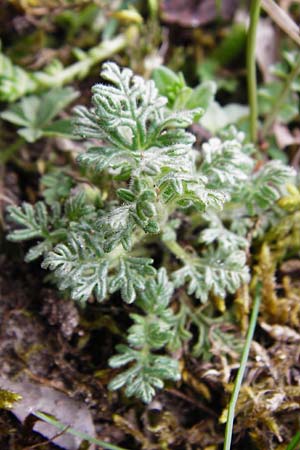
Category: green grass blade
<point>294,442</point>
<point>83,436</point>
<point>241,371</point>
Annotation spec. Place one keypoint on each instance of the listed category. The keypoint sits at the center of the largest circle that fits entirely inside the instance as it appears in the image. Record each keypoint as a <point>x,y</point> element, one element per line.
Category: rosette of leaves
<point>161,184</point>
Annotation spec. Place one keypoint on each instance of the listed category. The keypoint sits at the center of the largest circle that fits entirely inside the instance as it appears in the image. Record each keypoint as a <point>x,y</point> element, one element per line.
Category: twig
<point>241,371</point>
<point>83,436</point>
<point>48,441</point>
<point>251,67</point>
<point>192,401</point>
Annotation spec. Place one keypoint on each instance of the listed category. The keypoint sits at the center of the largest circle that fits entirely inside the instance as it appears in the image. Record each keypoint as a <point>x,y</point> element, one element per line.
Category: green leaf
<point>267,96</point>
<point>117,228</point>
<point>77,207</point>
<point>217,271</point>
<point>157,294</point>
<point>38,250</point>
<point>34,221</point>
<point>226,164</point>
<point>216,232</point>
<point>127,107</point>
<point>142,380</point>
<point>60,128</point>
<point>37,222</point>
<point>165,79</point>
<point>231,45</point>
<point>52,102</point>
<point>100,158</point>
<point>264,187</point>
<point>35,114</point>
<point>131,277</point>
<point>155,333</point>
<point>202,96</point>
<point>171,85</point>
<point>30,134</point>
<point>218,117</point>
<point>15,82</point>
<point>150,332</point>
<point>56,186</point>
<point>79,265</point>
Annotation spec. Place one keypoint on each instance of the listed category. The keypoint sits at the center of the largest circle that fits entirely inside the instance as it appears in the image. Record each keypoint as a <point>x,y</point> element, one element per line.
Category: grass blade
<point>83,436</point>
<point>294,442</point>
<point>241,371</point>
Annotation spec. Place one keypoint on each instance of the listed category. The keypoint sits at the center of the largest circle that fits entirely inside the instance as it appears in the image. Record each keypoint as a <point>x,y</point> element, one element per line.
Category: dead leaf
<point>266,48</point>
<point>193,13</point>
<point>283,136</point>
<point>48,400</point>
<point>281,332</point>
<point>290,267</point>
<point>282,19</point>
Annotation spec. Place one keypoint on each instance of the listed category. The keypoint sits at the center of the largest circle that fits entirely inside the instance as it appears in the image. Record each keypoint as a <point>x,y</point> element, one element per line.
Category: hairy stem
<point>251,67</point>
<point>241,371</point>
<point>177,250</point>
<point>281,98</point>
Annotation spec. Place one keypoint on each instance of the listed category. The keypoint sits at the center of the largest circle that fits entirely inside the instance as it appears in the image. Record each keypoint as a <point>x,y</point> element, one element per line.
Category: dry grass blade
<point>282,19</point>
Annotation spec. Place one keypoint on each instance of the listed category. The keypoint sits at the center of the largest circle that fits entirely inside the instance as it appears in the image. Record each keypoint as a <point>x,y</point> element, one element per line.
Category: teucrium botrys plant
<point>165,187</point>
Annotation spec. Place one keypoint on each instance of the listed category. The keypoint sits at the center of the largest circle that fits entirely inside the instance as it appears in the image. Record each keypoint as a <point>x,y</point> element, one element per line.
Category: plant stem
<point>81,68</point>
<point>281,98</point>
<point>8,153</point>
<point>251,67</point>
<point>153,7</point>
<point>83,436</point>
<point>241,371</point>
<point>33,82</point>
<point>177,250</point>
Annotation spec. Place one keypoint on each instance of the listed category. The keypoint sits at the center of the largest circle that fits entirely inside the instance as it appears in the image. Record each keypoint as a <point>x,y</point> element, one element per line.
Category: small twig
<point>251,67</point>
<point>83,436</point>
<point>192,401</point>
<point>48,441</point>
<point>241,371</point>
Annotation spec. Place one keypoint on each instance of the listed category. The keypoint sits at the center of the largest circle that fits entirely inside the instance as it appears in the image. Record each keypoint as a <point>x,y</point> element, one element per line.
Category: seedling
<point>195,207</point>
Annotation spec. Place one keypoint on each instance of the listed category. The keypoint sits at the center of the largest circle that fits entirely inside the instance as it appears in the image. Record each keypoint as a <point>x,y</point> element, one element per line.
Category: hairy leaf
<point>217,272</point>
<point>149,332</point>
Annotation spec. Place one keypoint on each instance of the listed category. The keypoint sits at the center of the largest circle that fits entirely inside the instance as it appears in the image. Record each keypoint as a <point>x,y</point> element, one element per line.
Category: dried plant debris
<point>55,403</point>
<point>193,13</point>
